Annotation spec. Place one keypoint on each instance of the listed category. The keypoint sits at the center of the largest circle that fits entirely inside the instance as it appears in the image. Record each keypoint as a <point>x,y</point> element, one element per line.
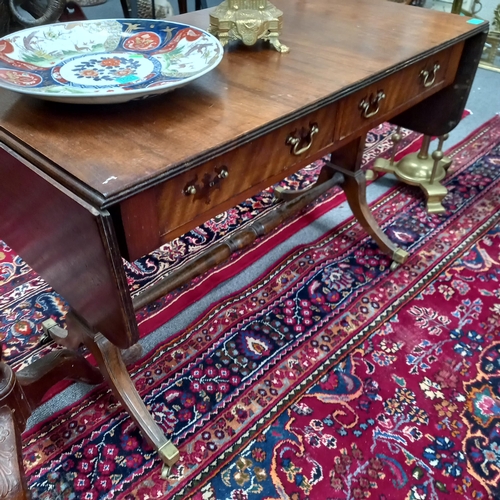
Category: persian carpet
<point>329,377</point>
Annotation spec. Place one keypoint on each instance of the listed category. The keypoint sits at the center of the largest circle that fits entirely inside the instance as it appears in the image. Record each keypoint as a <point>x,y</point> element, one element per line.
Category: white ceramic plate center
<point>106,70</point>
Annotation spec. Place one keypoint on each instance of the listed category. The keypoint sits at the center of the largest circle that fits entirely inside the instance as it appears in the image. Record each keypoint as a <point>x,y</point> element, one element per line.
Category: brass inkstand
<point>419,169</point>
<point>248,21</point>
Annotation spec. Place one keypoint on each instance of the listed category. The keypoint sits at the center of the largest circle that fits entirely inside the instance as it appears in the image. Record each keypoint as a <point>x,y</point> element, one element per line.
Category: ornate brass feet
<point>419,169</point>
<point>280,47</point>
<point>110,362</point>
<point>248,21</point>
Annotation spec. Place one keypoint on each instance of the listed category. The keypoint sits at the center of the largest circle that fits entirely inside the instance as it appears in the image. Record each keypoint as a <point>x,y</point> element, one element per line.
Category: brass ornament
<point>248,21</point>
<point>419,169</point>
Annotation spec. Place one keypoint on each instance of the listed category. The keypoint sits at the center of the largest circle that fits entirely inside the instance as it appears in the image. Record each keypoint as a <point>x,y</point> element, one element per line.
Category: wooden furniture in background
<point>84,186</point>
<point>491,53</point>
<point>20,394</point>
<point>145,8</point>
<point>183,6</point>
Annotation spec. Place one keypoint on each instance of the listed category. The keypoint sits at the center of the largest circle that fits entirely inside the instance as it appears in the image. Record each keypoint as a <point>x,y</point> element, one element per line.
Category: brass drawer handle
<point>429,77</point>
<point>295,141</point>
<point>373,103</point>
<point>190,190</point>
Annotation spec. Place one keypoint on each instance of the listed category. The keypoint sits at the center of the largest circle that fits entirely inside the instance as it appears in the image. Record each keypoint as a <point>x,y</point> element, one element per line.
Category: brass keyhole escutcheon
<point>210,180</point>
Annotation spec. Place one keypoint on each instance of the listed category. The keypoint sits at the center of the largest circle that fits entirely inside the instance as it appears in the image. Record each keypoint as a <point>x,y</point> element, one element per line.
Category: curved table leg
<point>41,375</point>
<point>354,186</point>
<point>110,361</point>
<point>72,340</point>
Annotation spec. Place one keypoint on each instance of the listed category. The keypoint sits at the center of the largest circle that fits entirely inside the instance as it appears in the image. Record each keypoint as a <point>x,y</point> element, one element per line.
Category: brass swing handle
<point>429,77</point>
<point>295,141</point>
<point>373,104</point>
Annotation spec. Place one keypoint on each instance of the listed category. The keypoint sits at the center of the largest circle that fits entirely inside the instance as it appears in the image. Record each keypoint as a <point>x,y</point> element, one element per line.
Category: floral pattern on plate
<point>106,70</point>
<point>21,78</point>
<point>105,61</point>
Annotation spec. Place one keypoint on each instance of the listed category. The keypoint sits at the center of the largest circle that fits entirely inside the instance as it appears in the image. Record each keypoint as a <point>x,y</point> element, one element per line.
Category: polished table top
<point>105,153</point>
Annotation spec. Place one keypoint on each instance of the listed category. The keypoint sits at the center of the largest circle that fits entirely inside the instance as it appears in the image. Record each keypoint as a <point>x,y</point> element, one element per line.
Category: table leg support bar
<point>293,203</point>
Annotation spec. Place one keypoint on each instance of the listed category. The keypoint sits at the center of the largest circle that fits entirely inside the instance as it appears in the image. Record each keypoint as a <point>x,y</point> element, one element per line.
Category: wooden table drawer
<point>392,95</point>
<point>190,198</point>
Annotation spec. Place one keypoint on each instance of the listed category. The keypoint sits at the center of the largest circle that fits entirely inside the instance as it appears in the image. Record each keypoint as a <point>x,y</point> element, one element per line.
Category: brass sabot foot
<point>435,194</point>
<point>399,257</point>
<point>280,47</point>
<point>169,454</point>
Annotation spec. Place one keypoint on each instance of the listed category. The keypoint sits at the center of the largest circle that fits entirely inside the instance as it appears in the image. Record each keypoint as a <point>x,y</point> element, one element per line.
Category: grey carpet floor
<point>484,102</point>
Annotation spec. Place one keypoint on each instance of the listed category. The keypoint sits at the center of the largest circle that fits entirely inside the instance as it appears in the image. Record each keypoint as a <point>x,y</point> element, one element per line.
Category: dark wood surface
<point>336,48</point>
<point>162,212</point>
<point>446,106</point>
<point>69,244</point>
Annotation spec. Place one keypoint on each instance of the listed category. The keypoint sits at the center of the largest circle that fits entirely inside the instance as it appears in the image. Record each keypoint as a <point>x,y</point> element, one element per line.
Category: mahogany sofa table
<point>84,186</point>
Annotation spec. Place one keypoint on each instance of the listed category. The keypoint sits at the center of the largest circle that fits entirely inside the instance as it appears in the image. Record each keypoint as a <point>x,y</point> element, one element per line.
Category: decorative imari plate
<point>106,61</point>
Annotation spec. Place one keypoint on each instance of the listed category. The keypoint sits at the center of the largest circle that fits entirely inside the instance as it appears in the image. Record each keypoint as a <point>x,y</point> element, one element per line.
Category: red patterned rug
<point>254,395</point>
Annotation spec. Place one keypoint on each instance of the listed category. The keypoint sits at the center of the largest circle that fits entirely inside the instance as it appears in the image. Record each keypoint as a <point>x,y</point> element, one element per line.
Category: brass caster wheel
<point>394,265</point>
<point>371,175</point>
<point>165,471</point>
